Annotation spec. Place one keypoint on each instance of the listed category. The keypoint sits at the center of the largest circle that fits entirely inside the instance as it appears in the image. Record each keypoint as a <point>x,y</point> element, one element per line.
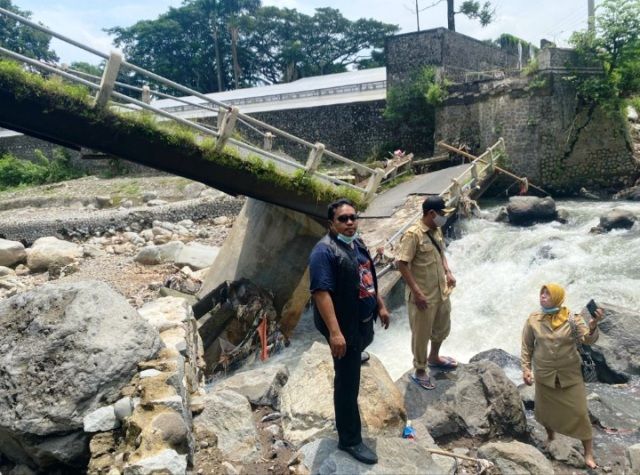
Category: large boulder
<point>516,457</point>
<point>307,398</point>
<point>65,351</point>
<point>50,250</point>
<point>153,255</point>
<point>619,340</point>
<point>527,210</point>
<point>614,407</point>
<point>11,252</point>
<point>261,386</point>
<point>631,194</point>
<point>395,455</point>
<point>617,218</point>
<point>197,256</point>
<point>228,417</point>
<point>477,400</point>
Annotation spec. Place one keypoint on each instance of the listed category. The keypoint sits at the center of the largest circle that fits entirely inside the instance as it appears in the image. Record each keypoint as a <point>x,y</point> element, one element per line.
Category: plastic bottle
<point>409,432</point>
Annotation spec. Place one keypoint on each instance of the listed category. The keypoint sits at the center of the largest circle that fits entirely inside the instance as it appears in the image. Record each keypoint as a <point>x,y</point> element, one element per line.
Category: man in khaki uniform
<point>429,281</point>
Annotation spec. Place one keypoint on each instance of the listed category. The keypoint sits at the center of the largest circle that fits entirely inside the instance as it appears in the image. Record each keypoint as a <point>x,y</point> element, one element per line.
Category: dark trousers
<point>346,386</point>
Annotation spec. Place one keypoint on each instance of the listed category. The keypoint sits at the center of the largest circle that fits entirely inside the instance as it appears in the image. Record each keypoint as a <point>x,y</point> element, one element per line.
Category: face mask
<point>347,239</point>
<point>440,220</point>
<point>550,310</point>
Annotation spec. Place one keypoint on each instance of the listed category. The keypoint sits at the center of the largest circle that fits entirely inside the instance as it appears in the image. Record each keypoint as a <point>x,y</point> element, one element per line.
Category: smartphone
<point>592,307</point>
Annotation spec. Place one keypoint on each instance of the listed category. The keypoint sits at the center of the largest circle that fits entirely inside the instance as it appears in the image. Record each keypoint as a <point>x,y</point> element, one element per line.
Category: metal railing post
<point>222,113</point>
<point>108,80</point>
<point>228,124</point>
<point>474,173</point>
<point>268,141</point>
<point>373,184</point>
<point>315,156</point>
<point>146,94</point>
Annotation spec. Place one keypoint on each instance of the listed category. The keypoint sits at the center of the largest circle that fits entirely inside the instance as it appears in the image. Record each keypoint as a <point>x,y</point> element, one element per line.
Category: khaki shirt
<point>424,260</point>
<point>554,353</point>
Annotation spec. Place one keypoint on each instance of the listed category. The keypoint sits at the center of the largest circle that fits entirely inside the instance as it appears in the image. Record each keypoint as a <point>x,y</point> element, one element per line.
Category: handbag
<point>588,367</point>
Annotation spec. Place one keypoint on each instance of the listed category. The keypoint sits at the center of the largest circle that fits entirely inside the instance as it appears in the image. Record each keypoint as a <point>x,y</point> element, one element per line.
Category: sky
<point>84,20</point>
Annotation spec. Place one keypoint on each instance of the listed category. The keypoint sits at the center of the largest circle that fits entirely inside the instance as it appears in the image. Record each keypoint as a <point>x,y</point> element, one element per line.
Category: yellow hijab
<point>557,298</point>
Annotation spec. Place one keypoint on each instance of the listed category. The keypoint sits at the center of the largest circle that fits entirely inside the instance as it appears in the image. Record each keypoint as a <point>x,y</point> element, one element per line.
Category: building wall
<point>440,47</point>
<point>548,137</point>
<point>352,130</point>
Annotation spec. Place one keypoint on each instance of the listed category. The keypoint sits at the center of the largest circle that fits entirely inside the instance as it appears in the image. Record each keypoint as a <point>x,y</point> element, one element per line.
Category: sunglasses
<point>347,217</point>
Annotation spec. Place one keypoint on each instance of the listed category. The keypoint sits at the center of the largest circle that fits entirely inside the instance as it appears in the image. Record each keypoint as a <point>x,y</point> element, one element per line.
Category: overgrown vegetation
<point>614,46</point>
<point>15,172</point>
<point>56,94</point>
<point>411,108</point>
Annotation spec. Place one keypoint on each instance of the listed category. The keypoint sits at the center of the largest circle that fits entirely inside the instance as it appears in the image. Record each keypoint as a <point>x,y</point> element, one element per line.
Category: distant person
<point>429,281</point>
<point>346,303</point>
<point>549,342</point>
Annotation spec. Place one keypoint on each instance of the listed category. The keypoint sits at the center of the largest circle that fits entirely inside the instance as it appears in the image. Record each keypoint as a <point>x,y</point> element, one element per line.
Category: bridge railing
<point>228,116</point>
<point>478,170</point>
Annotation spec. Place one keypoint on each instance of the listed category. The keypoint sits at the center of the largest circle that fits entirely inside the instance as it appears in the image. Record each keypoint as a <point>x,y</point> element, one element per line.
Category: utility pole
<point>417,15</point>
<point>592,16</point>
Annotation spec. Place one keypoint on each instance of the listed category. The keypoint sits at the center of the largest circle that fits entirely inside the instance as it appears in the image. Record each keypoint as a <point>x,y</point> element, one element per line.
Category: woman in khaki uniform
<point>560,396</point>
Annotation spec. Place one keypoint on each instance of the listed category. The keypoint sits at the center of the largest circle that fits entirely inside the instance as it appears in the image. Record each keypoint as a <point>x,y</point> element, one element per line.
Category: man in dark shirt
<point>346,303</point>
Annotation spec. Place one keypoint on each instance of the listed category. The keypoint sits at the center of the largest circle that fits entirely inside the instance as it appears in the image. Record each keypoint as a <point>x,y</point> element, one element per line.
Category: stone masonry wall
<point>352,130</point>
<point>548,138</point>
<point>443,48</point>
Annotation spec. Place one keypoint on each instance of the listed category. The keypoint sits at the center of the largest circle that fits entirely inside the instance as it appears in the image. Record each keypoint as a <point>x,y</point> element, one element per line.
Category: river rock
<point>478,399</point>
<point>499,357</point>
<point>633,455</point>
<point>395,456</point>
<point>165,253</point>
<point>167,462</point>
<point>51,250</point>
<point>619,339</point>
<point>527,210</point>
<point>261,386</point>
<point>528,396</point>
<point>228,416</point>
<point>11,252</point>
<point>617,218</point>
<point>631,194</point>
<point>193,190</point>
<point>614,407</point>
<point>563,449</point>
<point>307,398</point>
<point>197,256</point>
<point>104,202</point>
<point>65,350</point>
<point>516,457</point>
<point>6,271</point>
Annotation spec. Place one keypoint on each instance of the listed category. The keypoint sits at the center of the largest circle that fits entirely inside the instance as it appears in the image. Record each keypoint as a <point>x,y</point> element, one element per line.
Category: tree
<point>263,46</point>
<point>470,8</point>
<point>615,45</point>
<point>24,39</point>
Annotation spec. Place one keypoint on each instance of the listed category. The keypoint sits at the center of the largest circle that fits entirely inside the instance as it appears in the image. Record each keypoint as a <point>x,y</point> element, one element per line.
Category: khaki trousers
<point>432,324</point>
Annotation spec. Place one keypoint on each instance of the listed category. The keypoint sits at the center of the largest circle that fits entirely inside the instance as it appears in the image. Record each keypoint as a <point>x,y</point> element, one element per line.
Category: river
<point>500,268</point>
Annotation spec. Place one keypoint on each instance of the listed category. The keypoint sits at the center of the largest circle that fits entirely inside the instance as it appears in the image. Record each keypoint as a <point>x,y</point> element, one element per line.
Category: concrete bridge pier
<point>269,245</point>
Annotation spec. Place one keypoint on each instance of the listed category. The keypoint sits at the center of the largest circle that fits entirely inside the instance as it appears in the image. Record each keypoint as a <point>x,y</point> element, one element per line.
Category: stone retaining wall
<point>549,137</point>
<point>156,424</point>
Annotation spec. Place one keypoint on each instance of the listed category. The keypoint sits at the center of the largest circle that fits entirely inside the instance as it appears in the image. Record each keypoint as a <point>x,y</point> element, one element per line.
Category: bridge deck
<point>434,183</point>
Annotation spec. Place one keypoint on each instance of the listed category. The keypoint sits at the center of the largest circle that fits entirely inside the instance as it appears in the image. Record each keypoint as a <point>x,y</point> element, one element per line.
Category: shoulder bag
<point>587,366</point>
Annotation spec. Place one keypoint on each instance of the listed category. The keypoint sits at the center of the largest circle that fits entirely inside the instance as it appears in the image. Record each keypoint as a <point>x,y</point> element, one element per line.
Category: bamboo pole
<point>500,169</point>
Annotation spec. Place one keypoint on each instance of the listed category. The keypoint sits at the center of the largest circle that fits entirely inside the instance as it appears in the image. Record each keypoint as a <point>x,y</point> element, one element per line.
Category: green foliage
<point>615,46</point>
<point>474,10</point>
<point>15,172</point>
<point>87,68</point>
<point>531,68</point>
<point>413,102</point>
<point>207,44</point>
<point>635,103</point>
<point>21,38</point>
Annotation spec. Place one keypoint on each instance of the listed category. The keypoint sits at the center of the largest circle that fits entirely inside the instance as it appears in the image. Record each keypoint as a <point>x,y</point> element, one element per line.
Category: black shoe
<point>361,453</point>
<point>364,357</point>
